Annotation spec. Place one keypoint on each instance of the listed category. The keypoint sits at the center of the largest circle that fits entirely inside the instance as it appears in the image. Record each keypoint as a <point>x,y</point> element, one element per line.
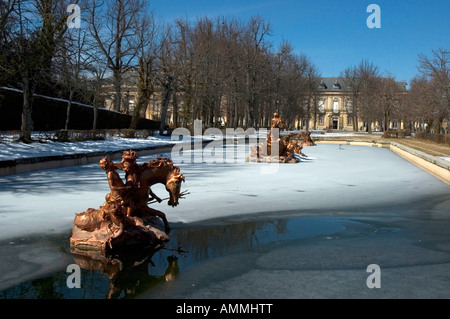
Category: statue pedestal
<point>148,232</point>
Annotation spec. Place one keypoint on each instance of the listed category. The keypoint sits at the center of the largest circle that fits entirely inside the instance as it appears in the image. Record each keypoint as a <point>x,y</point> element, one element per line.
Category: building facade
<point>334,108</point>
<point>333,112</point>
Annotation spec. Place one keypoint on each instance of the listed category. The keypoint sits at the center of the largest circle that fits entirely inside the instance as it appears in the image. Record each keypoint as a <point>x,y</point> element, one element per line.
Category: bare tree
<point>354,82</point>
<point>422,101</point>
<point>113,26</point>
<point>32,41</point>
<point>72,60</point>
<point>166,75</point>
<point>311,86</point>
<point>256,64</point>
<point>369,75</point>
<point>8,17</point>
<point>363,81</point>
<point>436,70</point>
<point>96,70</point>
<point>146,32</point>
<point>388,99</point>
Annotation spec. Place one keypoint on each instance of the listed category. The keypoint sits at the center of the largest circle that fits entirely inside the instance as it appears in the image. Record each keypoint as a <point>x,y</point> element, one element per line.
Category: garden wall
<point>49,114</point>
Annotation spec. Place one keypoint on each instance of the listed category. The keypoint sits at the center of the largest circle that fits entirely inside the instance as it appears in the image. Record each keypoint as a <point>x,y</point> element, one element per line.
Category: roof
<point>339,84</point>
<point>333,84</point>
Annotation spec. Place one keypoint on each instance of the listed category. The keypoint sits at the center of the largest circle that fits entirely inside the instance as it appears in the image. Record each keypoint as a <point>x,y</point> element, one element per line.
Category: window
<point>322,85</point>
<point>321,106</point>
<point>321,120</point>
<point>349,106</point>
<point>335,106</point>
<point>336,85</point>
<point>349,120</point>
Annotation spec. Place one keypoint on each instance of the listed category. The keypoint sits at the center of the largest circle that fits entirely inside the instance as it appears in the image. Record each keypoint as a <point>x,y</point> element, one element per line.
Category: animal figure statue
<point>287,148</point>
<point>304,138</point>
<point>125,215</point>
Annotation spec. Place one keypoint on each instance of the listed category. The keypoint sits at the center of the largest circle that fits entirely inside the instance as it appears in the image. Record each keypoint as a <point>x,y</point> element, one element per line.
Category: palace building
<point>333,98</point>
<point>335,107</point>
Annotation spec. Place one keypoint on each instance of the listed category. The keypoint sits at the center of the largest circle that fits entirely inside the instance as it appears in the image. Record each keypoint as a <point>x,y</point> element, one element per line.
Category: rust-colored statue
<point>277,122</point>
<point>287,147</point>
<point>305,139</point>
<point>125,217</point>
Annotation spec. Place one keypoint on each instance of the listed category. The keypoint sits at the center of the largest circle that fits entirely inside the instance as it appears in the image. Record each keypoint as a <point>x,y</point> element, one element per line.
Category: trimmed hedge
<point>438,138</point>
<point>397,133</point>
<point>50,115</point>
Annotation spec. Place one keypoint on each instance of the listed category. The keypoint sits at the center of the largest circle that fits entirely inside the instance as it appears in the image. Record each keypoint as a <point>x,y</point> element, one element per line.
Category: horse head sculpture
<point>170,176</point>
<point>173,186</point>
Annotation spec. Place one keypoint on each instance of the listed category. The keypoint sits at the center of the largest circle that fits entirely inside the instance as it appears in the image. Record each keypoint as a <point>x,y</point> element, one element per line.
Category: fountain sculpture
<point>125,217</point>
<point>287,147</point>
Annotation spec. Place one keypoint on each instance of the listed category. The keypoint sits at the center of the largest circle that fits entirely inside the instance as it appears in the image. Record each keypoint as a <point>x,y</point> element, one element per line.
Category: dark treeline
<point>223,71</point>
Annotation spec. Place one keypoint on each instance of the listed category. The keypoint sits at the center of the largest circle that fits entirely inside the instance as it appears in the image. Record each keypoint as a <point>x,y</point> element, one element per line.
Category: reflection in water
<point>132,272</point>
<point>128,273</point>
<point>205,241</point>
<point>45,288</point>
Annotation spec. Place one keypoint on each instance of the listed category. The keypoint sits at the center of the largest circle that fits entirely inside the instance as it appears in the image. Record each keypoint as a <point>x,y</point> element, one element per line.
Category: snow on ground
<point>10,149</point>
<point>334,179</point>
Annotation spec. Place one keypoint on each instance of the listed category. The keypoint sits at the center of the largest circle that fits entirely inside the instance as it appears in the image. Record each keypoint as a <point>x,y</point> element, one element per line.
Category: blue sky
<point>334,34</point>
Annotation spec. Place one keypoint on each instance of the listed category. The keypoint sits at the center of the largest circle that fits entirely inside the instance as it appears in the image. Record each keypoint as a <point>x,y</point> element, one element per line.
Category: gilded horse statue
<point>275,148</point>
<point>125,215</point>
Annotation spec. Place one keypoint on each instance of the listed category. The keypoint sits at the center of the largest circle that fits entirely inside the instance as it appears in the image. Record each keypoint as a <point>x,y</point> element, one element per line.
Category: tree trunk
<point>369,126</point>
<point>27,120</point>
<point>438,126</point>
<point>236,115</point>
<point>94,122</point>
<point>118,88</point>
<point>386,122</point>
<point>167,95</point>
<point>175,110</point>
<point>315,118</point>
<point>141,103</point>
<point>69,106</point>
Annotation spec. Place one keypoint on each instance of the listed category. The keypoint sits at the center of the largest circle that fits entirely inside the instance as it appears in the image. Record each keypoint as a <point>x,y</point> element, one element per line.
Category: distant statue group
<point>280,149</point>
<point>125,216</point>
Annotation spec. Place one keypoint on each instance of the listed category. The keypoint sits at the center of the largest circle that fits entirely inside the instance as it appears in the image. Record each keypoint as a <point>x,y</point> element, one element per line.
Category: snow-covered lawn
<point>10,150</point>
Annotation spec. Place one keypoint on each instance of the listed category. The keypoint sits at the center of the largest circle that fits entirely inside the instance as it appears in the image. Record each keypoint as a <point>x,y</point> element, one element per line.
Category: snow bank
<point>11,151</point>
<point>14,150</point>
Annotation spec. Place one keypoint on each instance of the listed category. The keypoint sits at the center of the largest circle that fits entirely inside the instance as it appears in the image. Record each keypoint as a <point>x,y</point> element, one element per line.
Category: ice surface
<point>334,178</point>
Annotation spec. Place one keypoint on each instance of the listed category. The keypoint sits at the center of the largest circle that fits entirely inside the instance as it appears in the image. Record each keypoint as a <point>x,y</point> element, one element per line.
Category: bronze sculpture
<point>125,217</point>
<point>287,147</point>
<point>305,138</point>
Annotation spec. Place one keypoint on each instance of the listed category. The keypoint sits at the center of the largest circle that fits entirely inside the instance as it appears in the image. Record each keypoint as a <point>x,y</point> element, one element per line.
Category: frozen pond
<point>246,230</point>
